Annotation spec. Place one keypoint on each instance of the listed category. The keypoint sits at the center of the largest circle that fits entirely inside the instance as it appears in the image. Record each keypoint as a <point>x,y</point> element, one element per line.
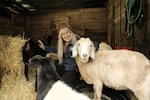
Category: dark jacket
<point>68,61</point>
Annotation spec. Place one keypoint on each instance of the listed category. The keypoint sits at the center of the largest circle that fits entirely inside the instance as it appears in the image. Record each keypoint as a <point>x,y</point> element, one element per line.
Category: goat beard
<point>84,60</point>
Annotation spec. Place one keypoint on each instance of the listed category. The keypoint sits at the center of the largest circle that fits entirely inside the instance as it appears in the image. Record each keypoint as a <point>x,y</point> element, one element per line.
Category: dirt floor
<point>108,94</point>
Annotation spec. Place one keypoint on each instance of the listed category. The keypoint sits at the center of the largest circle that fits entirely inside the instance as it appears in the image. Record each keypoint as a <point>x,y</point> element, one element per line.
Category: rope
<point>129,5</point>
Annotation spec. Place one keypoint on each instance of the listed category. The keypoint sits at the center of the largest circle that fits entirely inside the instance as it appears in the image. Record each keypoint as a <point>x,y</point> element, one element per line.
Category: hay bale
<point>13,85</point>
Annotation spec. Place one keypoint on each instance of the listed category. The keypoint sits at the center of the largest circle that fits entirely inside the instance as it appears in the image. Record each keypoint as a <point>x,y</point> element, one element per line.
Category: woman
<point>66,39</point>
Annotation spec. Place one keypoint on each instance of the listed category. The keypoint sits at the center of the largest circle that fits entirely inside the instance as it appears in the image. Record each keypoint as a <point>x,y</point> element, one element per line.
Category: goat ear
<point>74,50</point>
<point>27,47</point>
<point>92,54</point>
<point>52,56</point>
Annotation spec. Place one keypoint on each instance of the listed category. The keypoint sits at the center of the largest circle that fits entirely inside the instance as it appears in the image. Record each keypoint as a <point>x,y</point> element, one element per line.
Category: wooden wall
<point>11,24</point>
<point>118,35</point>
<point>89,22</point>
<point>5,23</point>
<point>148,28</point>
<point>116,23</point>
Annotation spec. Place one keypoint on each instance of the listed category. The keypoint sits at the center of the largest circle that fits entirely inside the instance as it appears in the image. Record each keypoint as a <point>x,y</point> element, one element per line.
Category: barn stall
<point>124,24</point>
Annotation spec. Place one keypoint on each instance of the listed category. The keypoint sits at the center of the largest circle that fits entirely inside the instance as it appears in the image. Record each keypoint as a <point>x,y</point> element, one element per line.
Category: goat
<point>117,69</point>
<point>49,85</point>
<point>30,49</point>
<point>104,46</point>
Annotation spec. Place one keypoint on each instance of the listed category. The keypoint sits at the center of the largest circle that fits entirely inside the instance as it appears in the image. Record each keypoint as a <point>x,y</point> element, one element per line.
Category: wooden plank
<point>80,19</point>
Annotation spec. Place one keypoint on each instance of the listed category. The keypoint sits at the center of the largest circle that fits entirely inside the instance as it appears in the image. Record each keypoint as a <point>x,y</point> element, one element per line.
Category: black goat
<point>30,49</point>
<point>46,71</point>
<point>49,86</point>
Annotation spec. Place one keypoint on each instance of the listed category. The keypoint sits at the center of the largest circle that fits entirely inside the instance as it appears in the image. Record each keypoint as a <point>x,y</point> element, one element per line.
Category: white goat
<point>117,69</point>
<point>104,46</point>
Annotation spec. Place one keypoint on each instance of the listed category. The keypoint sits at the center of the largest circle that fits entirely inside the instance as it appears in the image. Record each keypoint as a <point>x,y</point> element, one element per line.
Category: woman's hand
<point>41,44</point>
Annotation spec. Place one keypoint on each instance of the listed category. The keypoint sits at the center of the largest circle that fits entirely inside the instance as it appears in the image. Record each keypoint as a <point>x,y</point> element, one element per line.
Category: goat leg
<point>98,86</point>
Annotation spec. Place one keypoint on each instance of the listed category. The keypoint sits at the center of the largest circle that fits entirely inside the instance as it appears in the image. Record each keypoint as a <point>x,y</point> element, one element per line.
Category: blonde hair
<point>60,43</point>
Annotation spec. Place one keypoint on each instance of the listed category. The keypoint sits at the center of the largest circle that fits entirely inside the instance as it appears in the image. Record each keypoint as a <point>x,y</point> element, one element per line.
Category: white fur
<point>104,46</point>
<point>118,69</point>
<point>86,48</point>
<point>60,91</point>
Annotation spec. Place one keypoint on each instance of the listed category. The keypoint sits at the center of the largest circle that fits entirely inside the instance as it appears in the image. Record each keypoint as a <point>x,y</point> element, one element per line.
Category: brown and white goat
<point>117,69</point>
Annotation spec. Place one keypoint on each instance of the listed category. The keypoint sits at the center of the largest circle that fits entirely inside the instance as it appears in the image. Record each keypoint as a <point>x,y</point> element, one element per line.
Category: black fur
<point>30,49</point>
<point>46,74</point>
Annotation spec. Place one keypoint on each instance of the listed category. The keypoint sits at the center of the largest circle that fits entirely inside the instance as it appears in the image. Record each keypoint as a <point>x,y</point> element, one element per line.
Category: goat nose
<point>84,55</point>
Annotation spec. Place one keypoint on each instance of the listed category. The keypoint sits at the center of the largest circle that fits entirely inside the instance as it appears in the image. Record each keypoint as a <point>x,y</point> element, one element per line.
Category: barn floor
<point>114,97</point>
<point>108,94</point>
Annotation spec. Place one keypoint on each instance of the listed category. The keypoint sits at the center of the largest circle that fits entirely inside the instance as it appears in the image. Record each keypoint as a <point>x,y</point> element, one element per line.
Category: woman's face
<point>66,36</point>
